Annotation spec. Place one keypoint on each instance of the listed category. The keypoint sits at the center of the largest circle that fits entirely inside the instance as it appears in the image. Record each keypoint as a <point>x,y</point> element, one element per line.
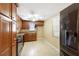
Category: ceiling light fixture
<point>34,17</point>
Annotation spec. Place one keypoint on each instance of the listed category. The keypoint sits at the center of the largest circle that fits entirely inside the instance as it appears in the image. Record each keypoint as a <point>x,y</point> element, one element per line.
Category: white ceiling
<point>43,9</point>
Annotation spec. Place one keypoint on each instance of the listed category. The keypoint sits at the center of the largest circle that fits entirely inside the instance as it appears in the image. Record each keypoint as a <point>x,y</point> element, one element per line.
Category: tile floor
<point>38,48</point>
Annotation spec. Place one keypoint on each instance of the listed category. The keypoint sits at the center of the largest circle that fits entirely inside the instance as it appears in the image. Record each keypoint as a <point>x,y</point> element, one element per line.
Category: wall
<point>40,32</point>
<point>51,31</point>
<point>19,23</point>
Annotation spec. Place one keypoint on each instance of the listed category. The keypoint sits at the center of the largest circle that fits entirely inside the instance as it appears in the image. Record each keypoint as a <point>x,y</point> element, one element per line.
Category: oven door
<point>20,44</point>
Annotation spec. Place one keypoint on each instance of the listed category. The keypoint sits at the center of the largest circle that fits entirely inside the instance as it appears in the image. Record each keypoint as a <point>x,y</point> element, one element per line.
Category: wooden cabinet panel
<point>5,8</point>
<point>7,29</point>
<point>25,24</point>
<point>6,52</point>
<point>0,35</point>
<point>14,11</point>
<point>14,50</point>
<point>13,38</point>
<point>30,37</point>
<point>39,23</point>
<point>14,18</point>
<point>5,33</point>
<point>6,37</point>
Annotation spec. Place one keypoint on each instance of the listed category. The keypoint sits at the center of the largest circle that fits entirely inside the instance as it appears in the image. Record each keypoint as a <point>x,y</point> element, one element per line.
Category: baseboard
<point>52,46</point>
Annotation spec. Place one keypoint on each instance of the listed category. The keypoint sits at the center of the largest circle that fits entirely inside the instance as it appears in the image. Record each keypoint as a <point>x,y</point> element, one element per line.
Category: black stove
<point>20,44</point>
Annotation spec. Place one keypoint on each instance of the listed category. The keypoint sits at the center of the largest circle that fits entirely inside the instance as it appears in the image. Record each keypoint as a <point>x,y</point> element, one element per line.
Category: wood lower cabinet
<point>30,37</point>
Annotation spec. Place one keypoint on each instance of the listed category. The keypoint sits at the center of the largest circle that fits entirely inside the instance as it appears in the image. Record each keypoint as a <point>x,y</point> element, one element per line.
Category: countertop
<point>27,31</point>
<point>22,32</point>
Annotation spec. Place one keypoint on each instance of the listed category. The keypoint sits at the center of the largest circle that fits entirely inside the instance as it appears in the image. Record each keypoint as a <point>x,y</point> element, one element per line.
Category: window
<point>31,26</point>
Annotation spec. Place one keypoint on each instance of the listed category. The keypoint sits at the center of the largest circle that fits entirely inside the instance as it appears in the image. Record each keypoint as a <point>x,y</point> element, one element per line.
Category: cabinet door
<point>14,10</point>
<point>30,37</point>
<point>39,23</point>
<point>25,25</point>
<point>5,41</point>
<point>5,8</point>
<point>0,35</point>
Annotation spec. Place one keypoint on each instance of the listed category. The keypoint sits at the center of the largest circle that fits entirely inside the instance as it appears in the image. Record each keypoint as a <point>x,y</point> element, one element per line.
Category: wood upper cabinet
<point>5,8</point>
<point>14,11</point>
<point>39,23</point>
<point>5,39</point>
<point>25,24</point>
